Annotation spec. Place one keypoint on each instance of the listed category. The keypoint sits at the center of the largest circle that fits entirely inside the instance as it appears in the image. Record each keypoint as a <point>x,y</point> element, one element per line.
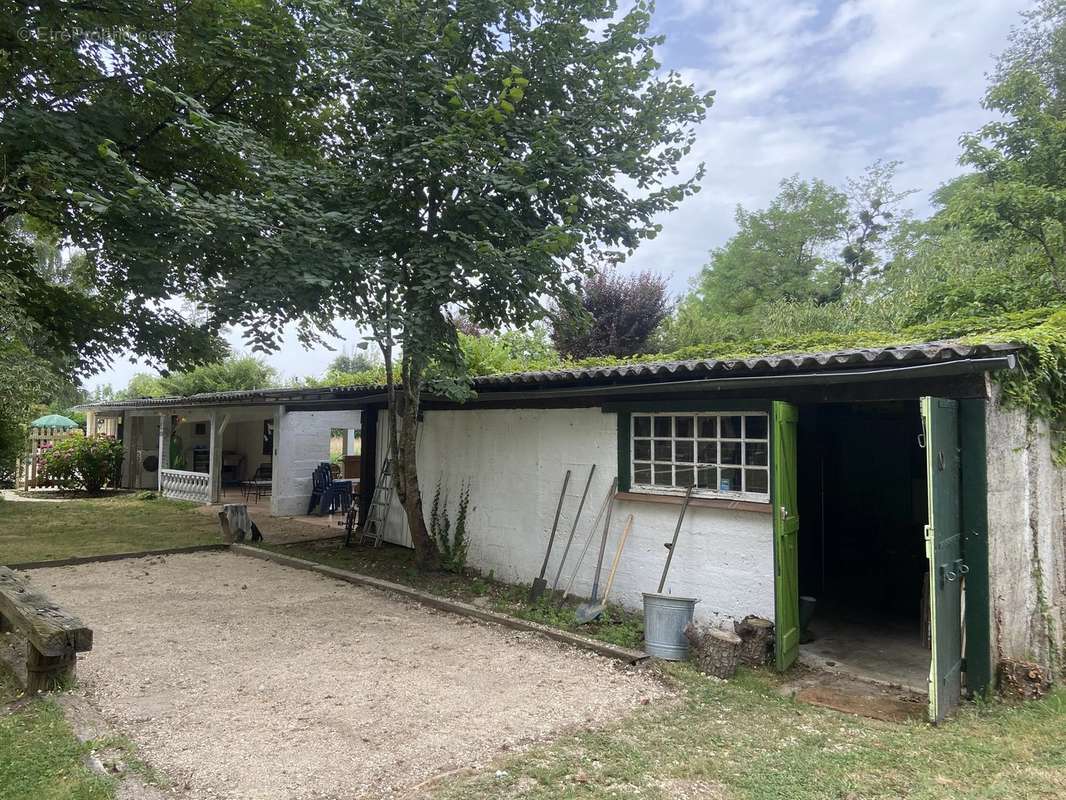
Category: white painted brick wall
<point>516,460</point>
<point>301,443</point>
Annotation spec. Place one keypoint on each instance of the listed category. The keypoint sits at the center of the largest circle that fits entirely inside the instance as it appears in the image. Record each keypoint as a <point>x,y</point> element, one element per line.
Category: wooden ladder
<point>373,530</point>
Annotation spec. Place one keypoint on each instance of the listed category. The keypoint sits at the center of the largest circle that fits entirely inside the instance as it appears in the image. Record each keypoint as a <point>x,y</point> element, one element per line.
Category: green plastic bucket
<point>665,620</point>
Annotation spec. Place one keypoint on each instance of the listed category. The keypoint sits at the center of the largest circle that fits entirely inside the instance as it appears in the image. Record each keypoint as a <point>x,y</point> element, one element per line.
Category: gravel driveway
<point>239,678</point>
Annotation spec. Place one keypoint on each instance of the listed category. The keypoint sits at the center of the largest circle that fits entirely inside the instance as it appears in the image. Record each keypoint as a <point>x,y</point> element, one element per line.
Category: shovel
<point>592,535</point>
<point>573,529</point>
<point>539,584</point>
<point>599,567</point>
<point>587,612</point>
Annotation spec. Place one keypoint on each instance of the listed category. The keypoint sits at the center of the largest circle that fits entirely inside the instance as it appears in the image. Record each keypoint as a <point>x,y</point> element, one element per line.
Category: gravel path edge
<point>623,654</point>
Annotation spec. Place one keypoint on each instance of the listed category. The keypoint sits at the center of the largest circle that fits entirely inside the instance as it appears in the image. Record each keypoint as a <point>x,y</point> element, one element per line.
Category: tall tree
<point>613,315</point>
<point>1019,190</point>
<point>787,251</point>
<point>88,115</point>
<point>477,157</point>
<point>875,216</point>
<point>352,362</point>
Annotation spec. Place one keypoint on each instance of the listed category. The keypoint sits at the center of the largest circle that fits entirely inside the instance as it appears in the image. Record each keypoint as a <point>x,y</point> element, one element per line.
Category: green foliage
<point>370,377</point>
<point>24,379</point>
<point>1019,189</point>
<point>79,462</point>
<point>353,362</point>
<point>516,350</point>
<point>231,374</point>
<point>457,169</point>
<point>451,544</point>
<point>784,252</point>
<point>97,152</point>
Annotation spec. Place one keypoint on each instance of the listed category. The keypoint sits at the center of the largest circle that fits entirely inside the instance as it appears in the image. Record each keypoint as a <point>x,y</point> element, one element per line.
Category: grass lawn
<point>741,740</point>
<point>396,564</point>
<point>117,524</point>
<point>40,758</point>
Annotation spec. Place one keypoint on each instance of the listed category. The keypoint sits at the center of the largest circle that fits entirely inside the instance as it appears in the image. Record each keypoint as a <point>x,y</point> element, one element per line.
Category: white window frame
<point>673,489</point>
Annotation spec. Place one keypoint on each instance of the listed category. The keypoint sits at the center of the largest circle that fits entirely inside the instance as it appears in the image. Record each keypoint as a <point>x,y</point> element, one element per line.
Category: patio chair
<point>327,494</point>
<point>261,483</point>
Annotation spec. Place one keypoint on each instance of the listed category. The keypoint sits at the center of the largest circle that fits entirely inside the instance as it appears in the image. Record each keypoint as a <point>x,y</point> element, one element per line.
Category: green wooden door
<point>786,534</point>
<point>943,547</point>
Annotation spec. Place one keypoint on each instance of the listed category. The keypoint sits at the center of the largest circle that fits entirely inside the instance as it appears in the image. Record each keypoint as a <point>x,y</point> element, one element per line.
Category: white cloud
<point>947,45</point>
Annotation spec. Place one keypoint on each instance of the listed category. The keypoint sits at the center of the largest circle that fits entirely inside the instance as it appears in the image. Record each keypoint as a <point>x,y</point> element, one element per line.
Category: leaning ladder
<point>373,530</point>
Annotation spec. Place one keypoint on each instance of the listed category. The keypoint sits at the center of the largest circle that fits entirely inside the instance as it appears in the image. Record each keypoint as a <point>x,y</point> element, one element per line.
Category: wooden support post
<point>217,428</point>
<point>53,636</point>
<point>164,447</point>
<point>48,673</point>
<point>278,466</point>
<point>368,459</point>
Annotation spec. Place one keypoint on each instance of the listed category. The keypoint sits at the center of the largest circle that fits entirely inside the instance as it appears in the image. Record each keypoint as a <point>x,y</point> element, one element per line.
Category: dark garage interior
<point>863,510</point>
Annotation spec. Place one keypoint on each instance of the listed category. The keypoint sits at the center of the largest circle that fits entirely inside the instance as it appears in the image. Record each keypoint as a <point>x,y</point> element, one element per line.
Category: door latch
<point>951,572</point>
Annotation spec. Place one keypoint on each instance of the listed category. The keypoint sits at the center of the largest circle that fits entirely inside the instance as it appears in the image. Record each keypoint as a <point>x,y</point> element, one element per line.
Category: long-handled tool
<point>599,559</point>
<point>592,535</point>
<point>539,584</point>
<point>673,544</point>
<point>586,612</point>
<point>573,529</point>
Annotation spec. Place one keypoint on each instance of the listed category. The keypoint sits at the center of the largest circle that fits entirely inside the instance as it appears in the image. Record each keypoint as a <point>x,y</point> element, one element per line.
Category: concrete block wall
<point>301,443</point>
<point>1026,538</point>
<point>516,460</point>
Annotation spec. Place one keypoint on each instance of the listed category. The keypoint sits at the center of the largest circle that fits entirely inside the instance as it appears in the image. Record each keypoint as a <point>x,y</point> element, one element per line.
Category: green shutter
<point>785,418</point>
<point>624,471</point>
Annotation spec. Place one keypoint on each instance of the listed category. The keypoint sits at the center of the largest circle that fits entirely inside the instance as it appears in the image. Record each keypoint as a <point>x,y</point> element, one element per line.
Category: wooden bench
<point>53,637</point>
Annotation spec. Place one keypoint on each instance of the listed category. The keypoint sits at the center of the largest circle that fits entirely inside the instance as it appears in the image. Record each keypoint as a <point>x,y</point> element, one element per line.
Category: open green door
<point>786,534</point>
<point>943,547</point>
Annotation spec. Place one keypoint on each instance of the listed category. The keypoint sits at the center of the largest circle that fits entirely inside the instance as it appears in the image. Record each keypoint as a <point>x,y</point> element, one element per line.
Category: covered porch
<point>261,454</point>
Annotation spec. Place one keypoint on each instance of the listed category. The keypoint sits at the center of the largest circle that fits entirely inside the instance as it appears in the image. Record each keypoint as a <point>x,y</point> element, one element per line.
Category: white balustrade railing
<point>178,484</point>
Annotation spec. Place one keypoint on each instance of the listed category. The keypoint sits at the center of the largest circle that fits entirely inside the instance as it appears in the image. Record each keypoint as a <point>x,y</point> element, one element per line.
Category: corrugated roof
<point>902,355</point>
<point>626,374</point>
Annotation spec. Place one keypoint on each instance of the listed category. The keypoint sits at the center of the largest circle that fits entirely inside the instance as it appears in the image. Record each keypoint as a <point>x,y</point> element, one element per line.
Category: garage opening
<point>862,562</point>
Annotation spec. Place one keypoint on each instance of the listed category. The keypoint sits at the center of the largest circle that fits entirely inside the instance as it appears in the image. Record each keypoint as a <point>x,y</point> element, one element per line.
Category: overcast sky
<point>816,88</point>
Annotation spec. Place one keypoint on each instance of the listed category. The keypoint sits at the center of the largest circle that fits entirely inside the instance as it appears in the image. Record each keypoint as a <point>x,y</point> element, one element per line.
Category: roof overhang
<point>957,370</point>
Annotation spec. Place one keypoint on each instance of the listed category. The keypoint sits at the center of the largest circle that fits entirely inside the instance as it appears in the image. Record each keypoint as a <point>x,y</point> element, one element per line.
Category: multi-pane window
<point>724,454</point>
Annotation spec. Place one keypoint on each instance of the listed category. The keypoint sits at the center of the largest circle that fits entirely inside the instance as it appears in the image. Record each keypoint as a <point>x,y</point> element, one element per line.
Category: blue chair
<point>327,494</point>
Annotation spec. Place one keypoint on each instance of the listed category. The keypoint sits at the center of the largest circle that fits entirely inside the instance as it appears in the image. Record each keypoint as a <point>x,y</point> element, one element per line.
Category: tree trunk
<point>427,556</point>
<point>403,449</point>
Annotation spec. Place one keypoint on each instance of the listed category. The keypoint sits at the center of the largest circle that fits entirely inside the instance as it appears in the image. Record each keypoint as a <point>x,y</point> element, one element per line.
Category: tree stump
<point>716,651</point>
<point>757,640</point>
<point>1022,680</point>
<point>237,524</point>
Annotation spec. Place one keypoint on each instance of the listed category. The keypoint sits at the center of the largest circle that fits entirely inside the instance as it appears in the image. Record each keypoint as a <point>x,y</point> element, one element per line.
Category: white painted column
<point>277,461</point>
<point>164,448</point>
<point>218,428</point>
<point>128,451</point>
<point>90,424</point>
